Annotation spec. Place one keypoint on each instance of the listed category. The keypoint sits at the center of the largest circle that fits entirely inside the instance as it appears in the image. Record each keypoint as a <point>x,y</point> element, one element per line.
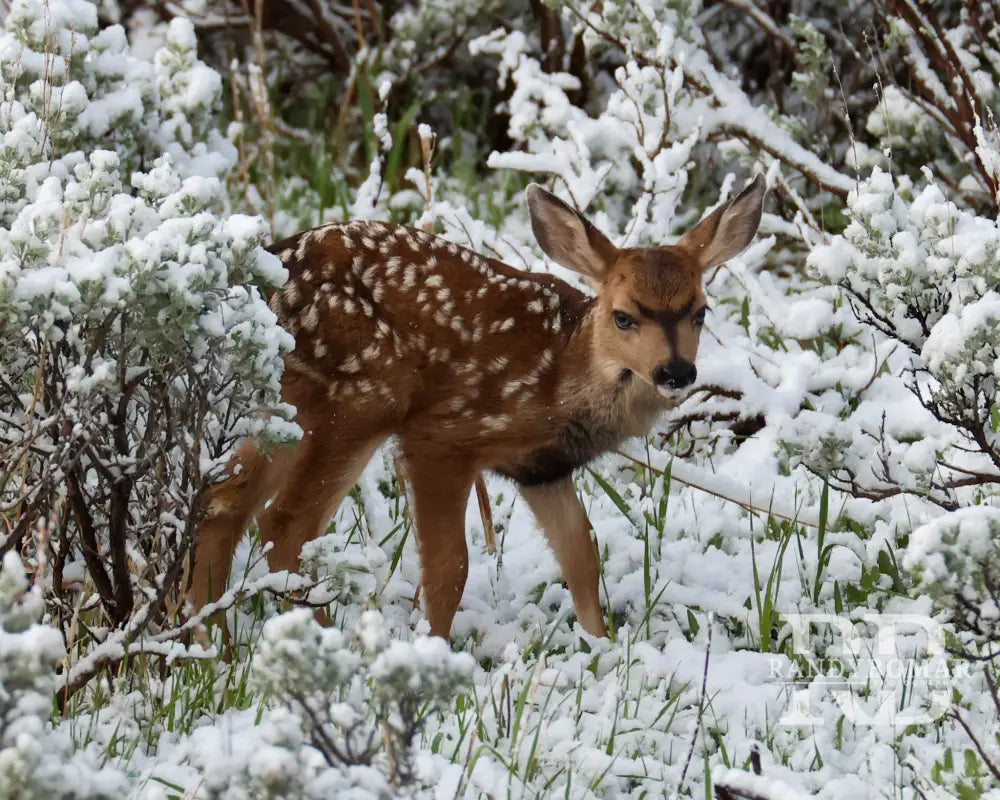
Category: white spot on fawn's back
<point>351,365</point>
<point>510,388</point>
<point>311,318</point>
<point>497,364</point>
<point>290,293</point>
<point>304,241</point>
<point>496,423</point>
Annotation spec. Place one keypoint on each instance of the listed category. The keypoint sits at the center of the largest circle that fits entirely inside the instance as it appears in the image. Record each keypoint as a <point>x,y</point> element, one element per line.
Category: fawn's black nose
<point>675,374</point>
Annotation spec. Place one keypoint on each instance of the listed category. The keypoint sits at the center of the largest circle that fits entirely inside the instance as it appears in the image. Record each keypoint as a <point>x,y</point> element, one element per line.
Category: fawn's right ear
<point>566,237</point>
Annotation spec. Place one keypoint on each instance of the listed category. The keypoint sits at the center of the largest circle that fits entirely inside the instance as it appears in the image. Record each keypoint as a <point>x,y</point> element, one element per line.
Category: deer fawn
<point>473,365</point>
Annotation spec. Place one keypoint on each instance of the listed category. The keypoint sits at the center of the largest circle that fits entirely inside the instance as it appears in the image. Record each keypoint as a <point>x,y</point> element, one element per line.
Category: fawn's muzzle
<point>674,374</point>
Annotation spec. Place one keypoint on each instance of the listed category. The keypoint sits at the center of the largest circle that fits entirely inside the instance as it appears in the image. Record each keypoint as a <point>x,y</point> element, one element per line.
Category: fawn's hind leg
<point>327,465</point>
<point>440,483</point>
<point>228,507</point>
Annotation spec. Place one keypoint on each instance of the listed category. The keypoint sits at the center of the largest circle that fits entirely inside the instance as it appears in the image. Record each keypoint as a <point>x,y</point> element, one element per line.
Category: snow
<point>703,572</point>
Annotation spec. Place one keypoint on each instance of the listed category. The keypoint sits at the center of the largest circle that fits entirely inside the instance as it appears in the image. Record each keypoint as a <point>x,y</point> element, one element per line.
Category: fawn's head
<point>650,304</point>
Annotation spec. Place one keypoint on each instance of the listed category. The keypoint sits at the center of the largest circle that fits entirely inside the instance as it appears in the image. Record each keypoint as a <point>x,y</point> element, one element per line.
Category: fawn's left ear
<point>566,237</point>
<point>728,230</point>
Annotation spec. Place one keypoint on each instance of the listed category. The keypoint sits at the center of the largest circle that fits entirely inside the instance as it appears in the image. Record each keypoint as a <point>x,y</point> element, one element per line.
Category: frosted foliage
<point>36,763</point>
<point>921,273</point>
<point>275,761</point>
<point>956,559</point>
<point>356,701</point>
<point>136,346</point>
<point>69,88</point>
<point>988,150</point>
<point>906,133</point>
<point>640,144</point>
<point>642,149</point>
<point>295,654</point>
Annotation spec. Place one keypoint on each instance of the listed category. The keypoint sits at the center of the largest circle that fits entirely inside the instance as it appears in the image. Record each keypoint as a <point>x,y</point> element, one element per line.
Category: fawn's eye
<point>623,320</point>
<point>699,315</point>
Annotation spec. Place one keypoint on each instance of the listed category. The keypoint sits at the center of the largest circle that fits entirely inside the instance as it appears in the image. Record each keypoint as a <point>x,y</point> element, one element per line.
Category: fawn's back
<point>436,335</point>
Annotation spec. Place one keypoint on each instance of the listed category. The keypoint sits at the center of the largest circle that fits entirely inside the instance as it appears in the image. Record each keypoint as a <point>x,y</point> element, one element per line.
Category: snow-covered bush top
<point>71,87</point>
<point>922,274</point>
<point>360,700</point>
<point>956,559</point>
<point>111,199</point>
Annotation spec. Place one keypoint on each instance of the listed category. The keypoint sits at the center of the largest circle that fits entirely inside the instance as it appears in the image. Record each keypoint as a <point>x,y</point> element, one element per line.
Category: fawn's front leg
<point>564,520</point>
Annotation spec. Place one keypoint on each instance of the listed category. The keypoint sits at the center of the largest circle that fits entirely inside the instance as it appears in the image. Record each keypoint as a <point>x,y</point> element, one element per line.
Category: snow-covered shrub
<point>921,275</point>
<point>135,343</point>
<point>662,98</point>
<point>35,762</point>
<point>270,757</point>
<point>956,559</point>
<point>28,655</point>
<point>631,159</point>
<point>360,700</point>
